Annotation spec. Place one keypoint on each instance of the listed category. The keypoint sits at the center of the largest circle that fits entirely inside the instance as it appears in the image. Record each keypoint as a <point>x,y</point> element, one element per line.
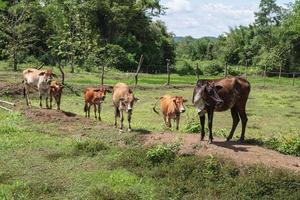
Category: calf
<point>56,91</point>
<point>123,100</point>
<point>171,108</point>
<point>39,80</point>
<point>94,96</point>
<point>220,95</point>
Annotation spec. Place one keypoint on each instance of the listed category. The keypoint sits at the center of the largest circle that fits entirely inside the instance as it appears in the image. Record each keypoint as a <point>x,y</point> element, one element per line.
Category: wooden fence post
<point>168,70</point>
<point>225,72</point>
<point>279,74</point>
<point>246,67</point>
<point>102,75</point>
<point>294,75</point>
<point>138,69</point>
<point>197,71</point>
<point>265,75</point>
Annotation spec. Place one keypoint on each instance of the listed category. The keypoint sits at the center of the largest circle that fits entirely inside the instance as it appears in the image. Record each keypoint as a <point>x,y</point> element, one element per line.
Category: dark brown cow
<point>220,95</point>
<point>123,100</point>
<point>94,96</point>
<point>55,92</point>
<point>171,108</point>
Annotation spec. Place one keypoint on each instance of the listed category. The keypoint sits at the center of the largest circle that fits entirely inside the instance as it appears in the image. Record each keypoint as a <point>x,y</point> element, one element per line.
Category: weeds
<point>163,153</point>
<point>89,147</point>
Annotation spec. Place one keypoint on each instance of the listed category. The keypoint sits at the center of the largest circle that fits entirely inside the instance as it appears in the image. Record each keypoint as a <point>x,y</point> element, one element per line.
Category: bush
<point>286,144</point>
<point>192,126</point>
<point>163,153</point>
<point>107,193</point>
<point>186,67</point>
<point>212,67</point>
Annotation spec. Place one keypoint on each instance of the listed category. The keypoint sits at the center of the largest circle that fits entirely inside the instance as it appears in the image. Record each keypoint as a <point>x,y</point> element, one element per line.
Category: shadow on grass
<point>69,114</point>
<point>142,131</point>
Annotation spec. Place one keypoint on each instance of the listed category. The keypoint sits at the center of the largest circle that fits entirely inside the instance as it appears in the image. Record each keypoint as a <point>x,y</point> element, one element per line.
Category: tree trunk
<point>102,75</point>
<point>138,69</point>
<point>15,62</point>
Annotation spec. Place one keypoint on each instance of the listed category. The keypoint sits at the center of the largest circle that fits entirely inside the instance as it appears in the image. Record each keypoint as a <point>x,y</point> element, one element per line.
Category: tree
<point>17,31</point>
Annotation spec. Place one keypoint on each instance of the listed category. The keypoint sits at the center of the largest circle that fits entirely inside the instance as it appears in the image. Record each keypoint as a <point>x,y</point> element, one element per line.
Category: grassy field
<point>49,157</point>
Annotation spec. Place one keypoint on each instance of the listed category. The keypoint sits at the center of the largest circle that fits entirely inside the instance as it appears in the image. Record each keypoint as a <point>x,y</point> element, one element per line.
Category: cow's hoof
<point>240,141</point>
<point>210,142</point>
<point>228,139</point>
<point>120,130</point>
<point>129,130</point>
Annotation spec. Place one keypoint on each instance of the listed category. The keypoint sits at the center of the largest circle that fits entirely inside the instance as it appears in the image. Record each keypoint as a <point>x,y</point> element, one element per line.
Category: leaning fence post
<point>168,70</point>
<point>265,75</point>
<point>138,69</point>
<point>294,74</point>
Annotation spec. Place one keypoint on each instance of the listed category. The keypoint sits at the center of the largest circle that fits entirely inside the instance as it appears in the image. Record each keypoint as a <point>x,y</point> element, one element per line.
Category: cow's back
<point>166,105</point>
<point>234,92</point>
<point>31,76</point>
<point>120,90</point>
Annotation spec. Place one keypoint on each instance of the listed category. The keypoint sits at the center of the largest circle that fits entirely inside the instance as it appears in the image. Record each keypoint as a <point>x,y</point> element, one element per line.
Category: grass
<point>61,159</point>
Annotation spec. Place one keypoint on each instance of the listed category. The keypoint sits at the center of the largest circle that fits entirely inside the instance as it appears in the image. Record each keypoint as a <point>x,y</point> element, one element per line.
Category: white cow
<point>39,80</point>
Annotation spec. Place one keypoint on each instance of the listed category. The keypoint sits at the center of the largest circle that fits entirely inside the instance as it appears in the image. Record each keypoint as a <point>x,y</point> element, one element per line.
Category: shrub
<point>213,67</point>
<point>192,126</point>
<point>163,153</point>
<point>186,67</point>
<point>90,147</point>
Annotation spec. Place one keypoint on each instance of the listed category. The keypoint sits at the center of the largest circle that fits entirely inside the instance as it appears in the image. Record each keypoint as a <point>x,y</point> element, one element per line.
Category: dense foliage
<point>85,33</point>
<point>272,41</point>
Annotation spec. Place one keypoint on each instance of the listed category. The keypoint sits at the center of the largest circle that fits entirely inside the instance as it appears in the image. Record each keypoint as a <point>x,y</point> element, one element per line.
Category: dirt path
<point>242,154</point>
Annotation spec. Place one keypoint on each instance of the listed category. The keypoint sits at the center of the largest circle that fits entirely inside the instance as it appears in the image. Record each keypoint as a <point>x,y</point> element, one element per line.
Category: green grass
<point>61,159</point>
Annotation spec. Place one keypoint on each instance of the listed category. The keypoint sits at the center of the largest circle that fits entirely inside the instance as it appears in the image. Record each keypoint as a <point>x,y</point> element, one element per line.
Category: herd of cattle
<point>208,96</point>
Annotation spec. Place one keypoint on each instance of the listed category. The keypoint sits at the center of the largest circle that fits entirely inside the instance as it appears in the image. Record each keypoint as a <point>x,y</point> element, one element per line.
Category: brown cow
<point>55,91</point>
<point>39,80</point>
<point>94,96</point>
<point>220,95</point>
<point>171,108</point>
<point>123,100</point>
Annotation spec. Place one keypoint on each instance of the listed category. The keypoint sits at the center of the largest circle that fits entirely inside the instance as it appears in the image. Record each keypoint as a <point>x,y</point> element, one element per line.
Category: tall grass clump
<point>89,146</point>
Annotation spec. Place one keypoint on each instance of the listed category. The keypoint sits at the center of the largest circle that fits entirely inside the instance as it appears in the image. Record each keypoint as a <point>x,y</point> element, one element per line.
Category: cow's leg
<point>26,94</point>
<point>57,99</point>
<point>210,121</point>
<point>244,120</point>
<point>95,110</point>
<point>165,120</point>
<point>177,122</point>
<point>121,120</point>
<point>85,109</point>
<point>89,110</point>
<point>129,121</point>
<point>117,114</point>
<point>202,122</point>
<point>47,103</point>
<point>99,111</point>
<point>169,121</point>
<point>51,99</point>
<point>41,101</point>
<point>235,121</point>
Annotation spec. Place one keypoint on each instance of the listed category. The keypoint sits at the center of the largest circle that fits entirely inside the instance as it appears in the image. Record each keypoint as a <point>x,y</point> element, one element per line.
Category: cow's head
<point>178,101</point>
<point>100,93</point>
<point>206,94</point>
<point>47,76</point>
<point>126,103</point>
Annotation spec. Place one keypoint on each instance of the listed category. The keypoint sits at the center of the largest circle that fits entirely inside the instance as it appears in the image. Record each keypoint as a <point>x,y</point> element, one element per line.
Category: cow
<point>171,108</point>
<point>95,97</point>
<point>39,80</point>
<point>55,92</point>
<point>123,100</point>
<point>220,95</point>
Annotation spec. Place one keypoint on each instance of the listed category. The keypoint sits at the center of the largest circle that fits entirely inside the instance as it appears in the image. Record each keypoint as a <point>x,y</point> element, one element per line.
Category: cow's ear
<point>219,87</point>
<point>42,73</point>
<point>130,91</point>
<point>136,99</point>
<point>185,100</point>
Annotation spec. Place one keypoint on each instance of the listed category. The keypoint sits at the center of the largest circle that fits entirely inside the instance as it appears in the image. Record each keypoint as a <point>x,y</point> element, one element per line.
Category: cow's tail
<point>155,106</point>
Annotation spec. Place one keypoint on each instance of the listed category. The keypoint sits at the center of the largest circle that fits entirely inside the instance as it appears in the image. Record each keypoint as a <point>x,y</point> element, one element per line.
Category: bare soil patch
<point>10,89</point>
<point>242,154</point>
